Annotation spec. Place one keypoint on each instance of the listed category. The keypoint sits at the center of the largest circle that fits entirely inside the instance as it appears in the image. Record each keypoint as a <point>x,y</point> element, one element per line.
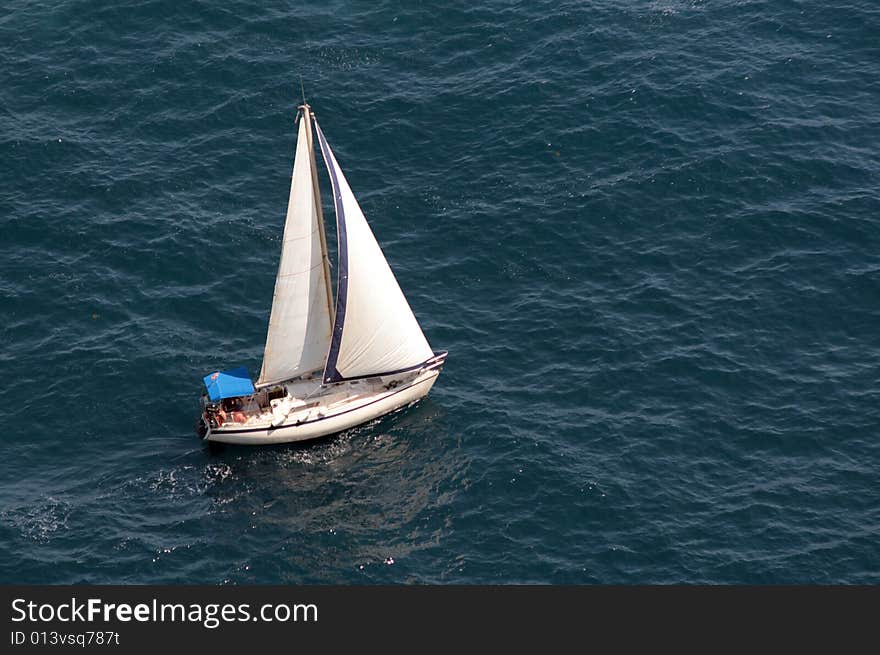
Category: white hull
<point>347,405</point>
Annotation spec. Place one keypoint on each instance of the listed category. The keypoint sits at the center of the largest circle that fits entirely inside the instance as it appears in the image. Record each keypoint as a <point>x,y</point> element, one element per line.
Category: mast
<point>307,115</point>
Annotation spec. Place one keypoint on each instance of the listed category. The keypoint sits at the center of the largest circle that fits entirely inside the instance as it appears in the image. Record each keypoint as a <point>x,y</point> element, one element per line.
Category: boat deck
<point>304,400</point>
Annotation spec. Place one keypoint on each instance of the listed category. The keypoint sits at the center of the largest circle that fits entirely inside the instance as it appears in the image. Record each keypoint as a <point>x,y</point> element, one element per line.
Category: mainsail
<point>300,320</point>
<point>375,330</point>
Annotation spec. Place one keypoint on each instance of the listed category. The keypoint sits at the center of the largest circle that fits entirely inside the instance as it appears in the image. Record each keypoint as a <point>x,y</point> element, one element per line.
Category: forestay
<point>375,330</point>
<point>299,323</point>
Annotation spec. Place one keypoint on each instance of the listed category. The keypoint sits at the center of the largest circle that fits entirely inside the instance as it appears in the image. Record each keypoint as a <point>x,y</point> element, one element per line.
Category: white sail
<point>375,330</point>
<point>299,323</point>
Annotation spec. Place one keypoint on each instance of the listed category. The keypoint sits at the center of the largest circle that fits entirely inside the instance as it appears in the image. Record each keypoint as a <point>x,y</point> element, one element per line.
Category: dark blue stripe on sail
<point>330,372</point>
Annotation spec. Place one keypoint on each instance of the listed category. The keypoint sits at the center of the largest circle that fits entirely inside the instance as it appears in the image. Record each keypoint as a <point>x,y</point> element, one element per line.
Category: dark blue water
<point>648,233</point>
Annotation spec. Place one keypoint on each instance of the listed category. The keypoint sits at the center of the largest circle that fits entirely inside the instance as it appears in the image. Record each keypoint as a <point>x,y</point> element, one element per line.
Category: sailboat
<point>327,366</point>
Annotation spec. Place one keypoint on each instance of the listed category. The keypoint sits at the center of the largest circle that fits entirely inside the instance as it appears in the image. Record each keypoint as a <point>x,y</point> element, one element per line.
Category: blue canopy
<point>228,384</point>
